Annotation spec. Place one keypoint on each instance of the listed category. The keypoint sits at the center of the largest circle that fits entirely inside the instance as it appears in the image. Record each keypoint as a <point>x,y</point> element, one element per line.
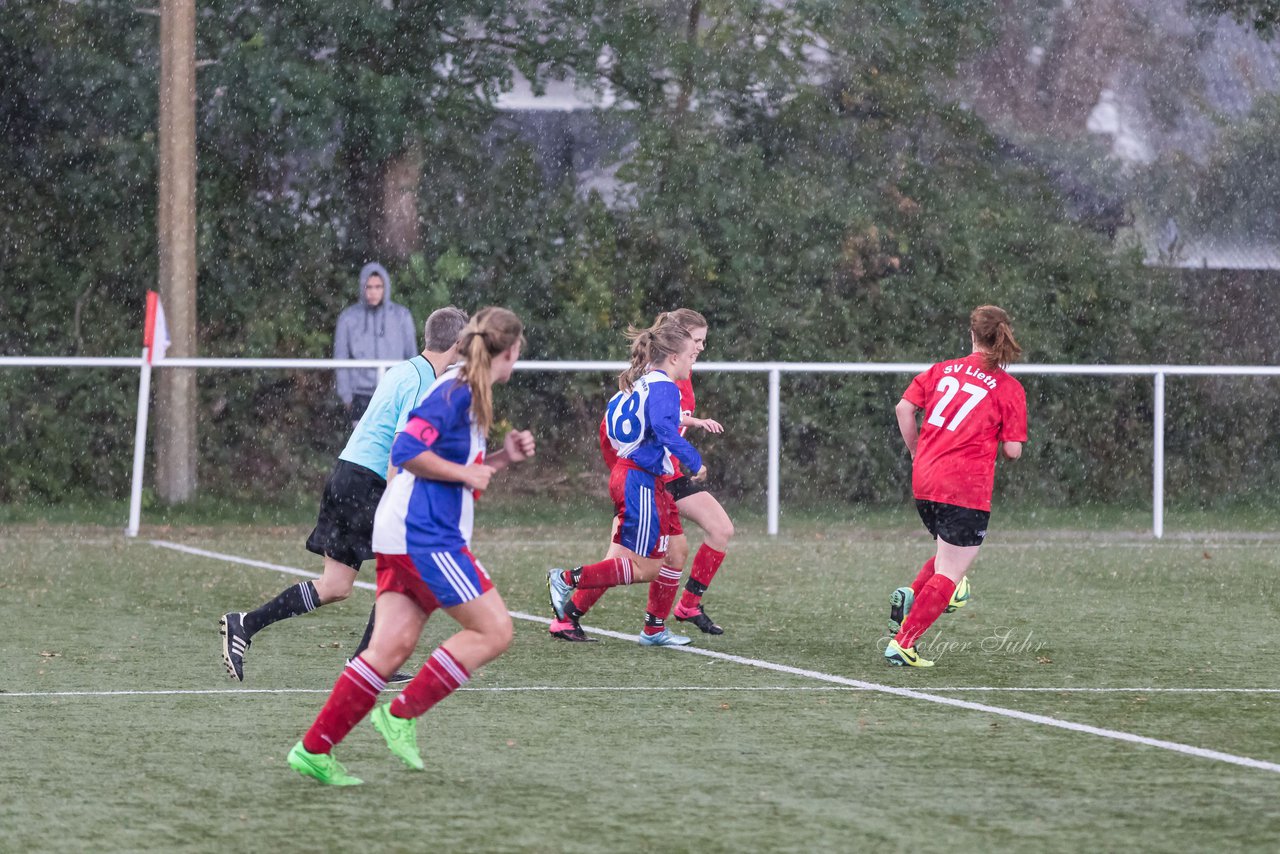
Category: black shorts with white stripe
<point>344,529</point>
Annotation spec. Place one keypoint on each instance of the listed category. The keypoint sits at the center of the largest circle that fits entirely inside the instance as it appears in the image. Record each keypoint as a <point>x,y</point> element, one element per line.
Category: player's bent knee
<point>502,639</point>
<point>396,648</point>
<point>497,636</point>
<point>332,593</point>
<point>719,535</point>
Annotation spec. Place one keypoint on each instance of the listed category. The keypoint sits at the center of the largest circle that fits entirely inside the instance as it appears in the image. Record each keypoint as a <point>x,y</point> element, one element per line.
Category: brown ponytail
<point>994,333</point>
<point>492,331</point>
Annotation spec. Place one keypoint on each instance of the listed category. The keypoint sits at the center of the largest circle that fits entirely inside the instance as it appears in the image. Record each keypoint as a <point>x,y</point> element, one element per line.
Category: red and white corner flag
<point>155,336</point>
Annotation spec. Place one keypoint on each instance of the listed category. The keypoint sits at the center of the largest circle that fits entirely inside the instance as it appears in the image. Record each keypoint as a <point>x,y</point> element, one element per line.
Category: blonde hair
<point>651,346</point>
<point>492,331</point>
<point>992,330</point>
<point>685,318</point>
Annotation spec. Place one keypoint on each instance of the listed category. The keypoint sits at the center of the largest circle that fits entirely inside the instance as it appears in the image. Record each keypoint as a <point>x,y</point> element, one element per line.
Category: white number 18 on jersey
<point>949,386</point>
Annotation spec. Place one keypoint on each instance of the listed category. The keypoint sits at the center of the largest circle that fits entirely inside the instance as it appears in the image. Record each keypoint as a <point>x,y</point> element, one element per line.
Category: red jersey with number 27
<point>610,453</point>
<point>968,411</point>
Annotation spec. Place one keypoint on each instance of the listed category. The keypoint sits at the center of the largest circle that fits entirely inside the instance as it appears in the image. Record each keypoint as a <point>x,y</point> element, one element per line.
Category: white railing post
<point>1157,461</point>
<point>139,447</point>
<point>775,448</point>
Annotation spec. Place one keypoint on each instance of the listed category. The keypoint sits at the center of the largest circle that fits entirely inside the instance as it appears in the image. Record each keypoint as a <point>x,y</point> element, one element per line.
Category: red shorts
<point>435,580</point>
<point>647,514</point>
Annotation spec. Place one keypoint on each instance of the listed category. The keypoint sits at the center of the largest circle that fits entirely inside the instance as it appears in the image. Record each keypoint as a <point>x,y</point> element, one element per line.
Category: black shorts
<point>683,487</point>
<point>344,529</point>
<point>959,526</point>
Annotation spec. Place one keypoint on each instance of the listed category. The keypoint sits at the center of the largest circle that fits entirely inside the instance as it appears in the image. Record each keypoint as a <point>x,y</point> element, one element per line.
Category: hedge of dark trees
<point>789,172</point>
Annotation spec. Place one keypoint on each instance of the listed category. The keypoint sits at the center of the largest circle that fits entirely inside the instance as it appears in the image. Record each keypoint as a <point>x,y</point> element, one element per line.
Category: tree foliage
<point>785,168</point>
<point>1262,15</point>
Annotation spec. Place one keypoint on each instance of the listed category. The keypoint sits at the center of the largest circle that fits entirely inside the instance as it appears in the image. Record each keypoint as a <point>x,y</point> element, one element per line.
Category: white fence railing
<point>775,370</point>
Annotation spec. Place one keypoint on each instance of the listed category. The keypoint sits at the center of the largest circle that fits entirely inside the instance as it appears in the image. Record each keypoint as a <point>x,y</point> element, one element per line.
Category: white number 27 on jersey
<point>949,386</point>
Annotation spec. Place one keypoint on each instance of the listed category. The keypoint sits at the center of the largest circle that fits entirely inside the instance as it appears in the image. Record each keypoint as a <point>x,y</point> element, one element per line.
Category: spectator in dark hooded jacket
<point>373,328</point>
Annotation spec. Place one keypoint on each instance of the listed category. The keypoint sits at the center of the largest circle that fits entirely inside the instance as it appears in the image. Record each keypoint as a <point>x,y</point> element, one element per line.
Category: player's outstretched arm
<point>708,424</point>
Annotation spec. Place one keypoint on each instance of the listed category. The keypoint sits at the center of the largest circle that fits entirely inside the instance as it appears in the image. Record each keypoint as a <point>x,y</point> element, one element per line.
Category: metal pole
<point>1157,462</point>
<point>775,446</point>
<point>139,447</point>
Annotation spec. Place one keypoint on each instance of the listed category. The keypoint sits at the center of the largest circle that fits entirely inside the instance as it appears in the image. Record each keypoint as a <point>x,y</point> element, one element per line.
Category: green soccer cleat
<point>322,766</point>
<point>401,735</point>
<point>896,656</point>
<point>960,597</point>
<point>899,606</point>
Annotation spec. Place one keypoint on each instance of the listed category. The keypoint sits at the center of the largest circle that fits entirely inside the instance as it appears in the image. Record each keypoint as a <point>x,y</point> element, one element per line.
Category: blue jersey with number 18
<point>644,425</point>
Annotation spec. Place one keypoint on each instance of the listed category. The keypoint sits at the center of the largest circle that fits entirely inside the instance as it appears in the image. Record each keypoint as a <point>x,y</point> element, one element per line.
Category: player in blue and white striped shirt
<point>344,527</point>
<point>643,422</point>
<point>422,535</point>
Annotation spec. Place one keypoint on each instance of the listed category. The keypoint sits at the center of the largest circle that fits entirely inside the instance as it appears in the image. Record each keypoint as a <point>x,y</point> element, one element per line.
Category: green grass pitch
<point>562,747</point>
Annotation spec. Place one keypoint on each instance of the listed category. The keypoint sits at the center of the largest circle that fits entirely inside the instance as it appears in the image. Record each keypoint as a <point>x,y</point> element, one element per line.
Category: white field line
<point>290,570</point>
<point>1240,540</point>
<point>1136,543</point>
<point>619,689</point>
<point>1044,720</point>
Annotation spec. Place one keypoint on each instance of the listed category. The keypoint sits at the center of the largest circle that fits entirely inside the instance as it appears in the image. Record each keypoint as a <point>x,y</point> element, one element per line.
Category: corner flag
<point>155,336</point>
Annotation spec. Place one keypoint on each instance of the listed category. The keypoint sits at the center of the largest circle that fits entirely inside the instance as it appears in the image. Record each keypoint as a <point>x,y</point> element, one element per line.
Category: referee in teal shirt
<point>344,530</point>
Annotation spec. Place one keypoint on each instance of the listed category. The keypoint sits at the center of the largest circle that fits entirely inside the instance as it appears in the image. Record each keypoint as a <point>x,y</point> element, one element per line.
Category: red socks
<point>928,606</point>
<point>356,693</point>
<point>354,696</point>
<point>662,593</point>
<point>438,678</point>
<point>926,572</point>
<point>584,599</point>
<point>610,572</point>
<point>705,565</point>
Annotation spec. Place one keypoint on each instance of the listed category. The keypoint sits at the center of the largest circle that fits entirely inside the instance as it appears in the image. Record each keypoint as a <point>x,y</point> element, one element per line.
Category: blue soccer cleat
<point>559,591</point>
<point>664,638</point>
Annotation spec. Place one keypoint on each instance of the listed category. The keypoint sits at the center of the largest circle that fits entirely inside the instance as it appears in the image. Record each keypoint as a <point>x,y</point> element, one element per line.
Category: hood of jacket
<point>368,270</point>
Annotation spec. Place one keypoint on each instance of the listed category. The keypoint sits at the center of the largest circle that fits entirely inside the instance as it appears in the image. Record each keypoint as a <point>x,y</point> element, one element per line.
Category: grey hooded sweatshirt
<point>386,331</point>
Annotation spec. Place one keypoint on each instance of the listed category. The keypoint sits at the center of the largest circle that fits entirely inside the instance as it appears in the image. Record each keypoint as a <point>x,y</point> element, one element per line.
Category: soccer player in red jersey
<point>692,500</point>
<point>973,411</point>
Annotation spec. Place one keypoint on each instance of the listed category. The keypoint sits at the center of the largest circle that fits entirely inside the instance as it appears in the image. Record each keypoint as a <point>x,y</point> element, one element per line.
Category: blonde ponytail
<point>638,356</point>
<point>492,331</point>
